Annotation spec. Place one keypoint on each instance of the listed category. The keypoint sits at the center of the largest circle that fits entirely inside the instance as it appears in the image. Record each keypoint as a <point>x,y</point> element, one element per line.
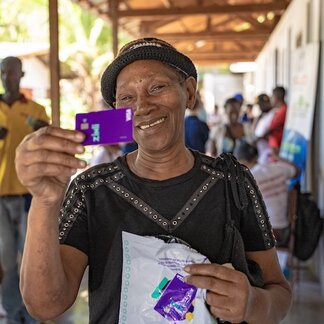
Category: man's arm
<point>50,274</point>
<point>232,298</point>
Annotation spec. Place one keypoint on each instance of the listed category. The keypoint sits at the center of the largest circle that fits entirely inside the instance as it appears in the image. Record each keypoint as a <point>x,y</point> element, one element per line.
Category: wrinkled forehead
<point>149,69</point>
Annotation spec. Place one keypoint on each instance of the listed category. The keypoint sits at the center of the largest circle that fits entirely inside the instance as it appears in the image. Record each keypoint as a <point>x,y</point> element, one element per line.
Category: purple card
<point>106,126</point>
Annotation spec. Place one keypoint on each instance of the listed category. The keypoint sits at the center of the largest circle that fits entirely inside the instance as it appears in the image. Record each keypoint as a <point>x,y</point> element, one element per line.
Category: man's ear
<point>191,85</point>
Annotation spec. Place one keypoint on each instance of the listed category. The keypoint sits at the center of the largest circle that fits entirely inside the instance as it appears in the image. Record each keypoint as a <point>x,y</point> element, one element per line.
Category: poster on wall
<point>300,114</point>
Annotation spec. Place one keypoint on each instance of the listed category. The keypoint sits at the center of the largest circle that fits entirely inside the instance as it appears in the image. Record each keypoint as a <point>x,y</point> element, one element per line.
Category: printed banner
<point>300,114</point>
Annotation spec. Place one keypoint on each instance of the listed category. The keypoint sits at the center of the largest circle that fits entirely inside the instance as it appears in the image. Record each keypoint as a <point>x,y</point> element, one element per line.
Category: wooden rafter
<point>207,35</point>
<point>201,10</point>
<point>216,21</point>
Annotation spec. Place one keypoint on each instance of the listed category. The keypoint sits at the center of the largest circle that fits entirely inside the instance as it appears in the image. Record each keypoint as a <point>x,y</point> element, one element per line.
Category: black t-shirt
<point>101,203</point>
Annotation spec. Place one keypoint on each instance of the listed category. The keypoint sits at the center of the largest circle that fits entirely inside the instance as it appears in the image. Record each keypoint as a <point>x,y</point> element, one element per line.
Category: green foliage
<point>18,17</point>
<point>85,43</point>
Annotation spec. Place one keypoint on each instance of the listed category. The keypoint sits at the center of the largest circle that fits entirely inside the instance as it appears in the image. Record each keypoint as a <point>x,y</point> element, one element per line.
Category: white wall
<point>305,18</point>
<point>301,20</point>
<point>219,87</point>
<point>36,77</point>
<point>284,39</point>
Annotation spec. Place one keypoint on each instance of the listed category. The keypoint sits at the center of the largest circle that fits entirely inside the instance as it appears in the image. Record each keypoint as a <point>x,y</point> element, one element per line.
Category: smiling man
<point>162,188</point>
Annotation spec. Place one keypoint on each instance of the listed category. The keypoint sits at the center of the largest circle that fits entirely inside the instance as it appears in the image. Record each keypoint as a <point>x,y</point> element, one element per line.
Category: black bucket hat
<point>143,49</point>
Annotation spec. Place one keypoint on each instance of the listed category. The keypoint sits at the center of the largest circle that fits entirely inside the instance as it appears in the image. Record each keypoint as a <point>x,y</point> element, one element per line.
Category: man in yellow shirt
<point>19,116</point>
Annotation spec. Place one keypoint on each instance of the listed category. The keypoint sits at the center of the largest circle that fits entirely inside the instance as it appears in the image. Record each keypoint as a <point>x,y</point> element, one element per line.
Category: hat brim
<point>166,55</point>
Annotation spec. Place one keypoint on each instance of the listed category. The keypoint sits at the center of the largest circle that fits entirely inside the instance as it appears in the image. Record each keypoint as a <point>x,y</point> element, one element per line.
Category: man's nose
<point>143,105</point>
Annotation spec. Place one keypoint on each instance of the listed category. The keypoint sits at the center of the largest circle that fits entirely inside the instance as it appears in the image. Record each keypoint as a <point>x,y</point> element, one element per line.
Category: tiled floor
<point>307,308</point>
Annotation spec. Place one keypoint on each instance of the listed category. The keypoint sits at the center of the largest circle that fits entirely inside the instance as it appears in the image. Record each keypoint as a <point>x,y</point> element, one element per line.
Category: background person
<point>225,136</point>
<point>106,154</point>
<point>19,116</point>
<point>154,190</point>
<point>196,130</point>
<point>262,128</point>
<point>272,181</point>
<point>278,121</point>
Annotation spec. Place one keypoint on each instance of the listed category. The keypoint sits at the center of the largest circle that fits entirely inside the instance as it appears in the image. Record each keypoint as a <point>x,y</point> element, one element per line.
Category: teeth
<point>159,121</point>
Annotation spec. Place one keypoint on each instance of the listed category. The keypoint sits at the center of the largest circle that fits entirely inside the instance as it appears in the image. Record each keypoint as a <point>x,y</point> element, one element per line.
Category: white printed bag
<point>153,290</point>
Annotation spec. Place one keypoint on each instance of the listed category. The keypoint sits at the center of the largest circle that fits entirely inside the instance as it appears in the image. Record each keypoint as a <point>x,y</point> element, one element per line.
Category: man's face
<point>158,96</point>
<point>11,74</point>
<point>275,100</point>
<point>233,112</point>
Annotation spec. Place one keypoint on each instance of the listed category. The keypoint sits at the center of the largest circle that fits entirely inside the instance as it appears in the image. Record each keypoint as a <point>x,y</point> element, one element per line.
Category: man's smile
<point>151,124</point>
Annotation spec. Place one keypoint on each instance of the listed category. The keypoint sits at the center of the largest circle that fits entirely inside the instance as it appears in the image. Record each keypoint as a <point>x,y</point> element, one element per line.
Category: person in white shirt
<point>106,154</point>
<point>272,181</point>
<point>262,127</point>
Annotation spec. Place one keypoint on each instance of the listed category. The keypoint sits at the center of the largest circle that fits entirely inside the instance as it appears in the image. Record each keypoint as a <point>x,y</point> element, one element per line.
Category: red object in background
<point>277,126</point>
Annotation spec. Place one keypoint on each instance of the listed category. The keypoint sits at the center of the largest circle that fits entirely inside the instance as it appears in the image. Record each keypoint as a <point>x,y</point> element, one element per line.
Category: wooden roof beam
<point>201,10</point>
<point>202,55</point>
<point>216,36</point>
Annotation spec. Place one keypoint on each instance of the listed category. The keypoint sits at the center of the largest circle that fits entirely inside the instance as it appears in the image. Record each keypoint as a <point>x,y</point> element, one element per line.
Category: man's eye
<point>125,98</point>
<point>157,88</point>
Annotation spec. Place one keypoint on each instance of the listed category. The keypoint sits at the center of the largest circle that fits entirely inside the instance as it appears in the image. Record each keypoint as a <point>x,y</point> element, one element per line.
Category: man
<point>278,121</point>
<point>18,117</point>
<point>272,181</point>
<point>191,197</point>
<point>262,127</point>
<point>196,130</point>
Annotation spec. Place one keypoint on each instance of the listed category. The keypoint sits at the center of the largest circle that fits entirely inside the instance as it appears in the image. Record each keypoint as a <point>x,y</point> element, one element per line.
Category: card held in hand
<point>106,126</point>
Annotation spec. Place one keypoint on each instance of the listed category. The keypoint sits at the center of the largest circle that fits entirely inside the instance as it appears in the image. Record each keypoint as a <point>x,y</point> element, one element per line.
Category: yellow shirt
<point>14,118</point>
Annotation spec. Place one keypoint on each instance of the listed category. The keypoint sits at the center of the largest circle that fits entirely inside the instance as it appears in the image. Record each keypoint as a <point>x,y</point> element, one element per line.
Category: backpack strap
<point>234,173</point>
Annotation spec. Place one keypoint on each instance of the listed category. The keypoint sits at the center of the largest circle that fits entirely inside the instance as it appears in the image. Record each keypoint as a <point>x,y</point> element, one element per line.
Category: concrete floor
<point>307,308</point>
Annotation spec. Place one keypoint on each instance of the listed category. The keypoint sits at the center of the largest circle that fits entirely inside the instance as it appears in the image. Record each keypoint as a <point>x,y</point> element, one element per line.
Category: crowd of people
<point>162,186</point>
<point>254,138</point>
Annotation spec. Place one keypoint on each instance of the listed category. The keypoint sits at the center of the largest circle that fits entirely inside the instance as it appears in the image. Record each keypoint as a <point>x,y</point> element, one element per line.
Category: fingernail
<point>186,268</point>
<point>79,136</point>
<point>185,279</point>
<point>82,164</point>
<point>73,171</point>
<point>80,149</point>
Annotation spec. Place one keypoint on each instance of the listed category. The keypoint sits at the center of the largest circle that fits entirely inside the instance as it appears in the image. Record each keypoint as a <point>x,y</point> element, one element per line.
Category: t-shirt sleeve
<point>288,170</point>
<point>255,227</point>
<point>73,220</point>
<point>39,112</point>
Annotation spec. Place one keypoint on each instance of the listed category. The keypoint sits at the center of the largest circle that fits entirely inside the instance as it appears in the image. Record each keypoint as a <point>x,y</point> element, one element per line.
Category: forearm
<point>43,280</point>
<point>269,305</point>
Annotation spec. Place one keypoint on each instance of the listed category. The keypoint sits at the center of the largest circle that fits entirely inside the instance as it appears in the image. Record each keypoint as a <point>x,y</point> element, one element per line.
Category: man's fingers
<point>69,134</point>
<point>55,139</point>
<point>213,284</point>
<point>49,170</point>
<point>47,156</point>
<point>212,270</point>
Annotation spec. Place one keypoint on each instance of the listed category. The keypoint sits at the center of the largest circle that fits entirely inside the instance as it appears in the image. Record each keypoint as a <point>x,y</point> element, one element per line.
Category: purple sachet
<point>175,304</point>
<point>106,126</point>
